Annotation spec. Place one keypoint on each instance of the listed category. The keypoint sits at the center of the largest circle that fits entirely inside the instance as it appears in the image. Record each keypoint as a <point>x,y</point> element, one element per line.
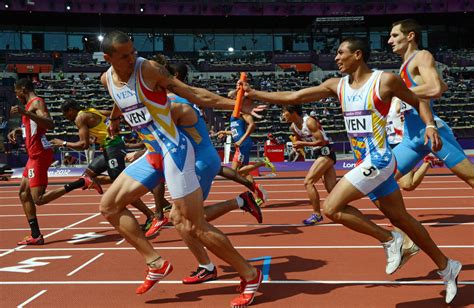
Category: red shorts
<point>36,169</point>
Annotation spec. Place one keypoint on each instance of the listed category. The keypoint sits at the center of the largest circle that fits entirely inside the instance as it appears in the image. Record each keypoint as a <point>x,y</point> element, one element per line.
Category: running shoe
<point>393,251</point>
<point>91,183</point>
<point>259,202</point>
<point>201,275</point>
<point>407,253</point>
<point>313,219</point>
<point>250,206</point>
<point>269,164</point>
<point>433,161</point>
<point>146,226</point>
<point>153,276</point>
<point>247,291</point>
<point>260,191</point>
<point>156,226</point>
<point>29,240</point>
<point>450,276</point>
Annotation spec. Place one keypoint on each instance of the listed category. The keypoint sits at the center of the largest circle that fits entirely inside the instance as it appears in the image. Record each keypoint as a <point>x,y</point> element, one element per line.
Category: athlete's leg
<point>192,219</point>
<point>317,170</point>
<point>337,208</point>
<point>160,200</point>
<point>465,171</point>
<point>123,191</point>
<point>233,175</point>
<point>413,179</point>
<point>330,179</point>
<point>245,170</point>
<point>394,209</point>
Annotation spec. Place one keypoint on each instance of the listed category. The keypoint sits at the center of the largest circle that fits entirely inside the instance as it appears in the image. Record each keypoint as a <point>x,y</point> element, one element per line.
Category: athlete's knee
<point>309,182</point>
<point>38,199</point>
<point>332,212</point>
<point>407,187</point>
<point>108,208</point>
<point>23,194</point>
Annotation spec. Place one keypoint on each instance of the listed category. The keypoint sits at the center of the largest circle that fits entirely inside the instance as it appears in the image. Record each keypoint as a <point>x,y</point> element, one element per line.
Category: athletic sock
<point>34,226</point>
<point>74,185</point>
<point>209,267</point>
<point>240,202</point>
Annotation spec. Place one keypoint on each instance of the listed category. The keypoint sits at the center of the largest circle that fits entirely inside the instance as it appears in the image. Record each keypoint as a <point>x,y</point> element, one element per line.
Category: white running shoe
<point>393,251</point>
<point>450,277</point>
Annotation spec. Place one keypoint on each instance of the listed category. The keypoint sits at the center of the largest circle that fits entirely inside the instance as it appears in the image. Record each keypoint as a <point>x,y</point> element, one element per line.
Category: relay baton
<point>240,96</point>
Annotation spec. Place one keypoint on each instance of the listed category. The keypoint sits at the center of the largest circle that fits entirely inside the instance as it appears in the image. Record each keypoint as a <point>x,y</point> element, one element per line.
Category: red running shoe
<point>260,192</point>
<point>29,240</point>
<point>247,291</point>
<point>201,275</point>
<point>153,276</point>
<point>91,183</point>
<point>251,206</point>
<point>433,161</point>
<point>156,226</point>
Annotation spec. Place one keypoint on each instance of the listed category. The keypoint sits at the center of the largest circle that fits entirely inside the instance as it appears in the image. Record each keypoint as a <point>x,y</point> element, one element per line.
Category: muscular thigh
<point>408,155</point>
<point>123,191</point>
<point>341,195</point>
<point>319,168</point>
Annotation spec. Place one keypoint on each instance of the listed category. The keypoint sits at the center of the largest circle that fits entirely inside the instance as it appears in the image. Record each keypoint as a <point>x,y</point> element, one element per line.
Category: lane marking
<point>85,264</point>
<point>50,234</point>
<point>237,247</point>
<point>31,299</point>
<point>266,266</point>
<point>350,282</point>
<point>120,242</point>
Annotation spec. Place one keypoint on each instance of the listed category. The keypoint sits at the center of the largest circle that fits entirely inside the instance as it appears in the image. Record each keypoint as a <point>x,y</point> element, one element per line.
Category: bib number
<point>325,151</point>
<point>46,144</point>
<point>369,172</point>
<point>358,123</point>
<point>31,173</point>
<point>390,129</point>
<point>113,163</point>
<point>405,107</point>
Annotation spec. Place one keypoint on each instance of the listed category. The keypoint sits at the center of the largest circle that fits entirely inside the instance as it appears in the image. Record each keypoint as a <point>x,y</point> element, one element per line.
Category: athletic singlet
<point>394,126</point>
<point>100,130</point>
<point>365,117</point>
<point>305,133</point>
<point>35,139</point>
<point>238,127</point>
<point>414,126</point>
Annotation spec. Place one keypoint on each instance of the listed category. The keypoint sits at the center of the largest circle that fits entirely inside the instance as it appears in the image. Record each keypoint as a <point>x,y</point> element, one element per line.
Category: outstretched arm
<point>326,89</point>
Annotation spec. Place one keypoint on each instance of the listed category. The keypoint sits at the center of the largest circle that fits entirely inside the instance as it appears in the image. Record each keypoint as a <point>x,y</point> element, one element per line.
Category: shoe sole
<point>198,282</point>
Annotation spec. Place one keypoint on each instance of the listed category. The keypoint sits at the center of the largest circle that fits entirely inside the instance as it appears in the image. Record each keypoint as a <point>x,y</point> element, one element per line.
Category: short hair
<point>294,108</point>
<point>160,59</point>
<point>358,43</point>
<point>69,104</point>
<point>25,83</point>
<point>112,38</point>
<point>180,69</point>
<point>409,25</point>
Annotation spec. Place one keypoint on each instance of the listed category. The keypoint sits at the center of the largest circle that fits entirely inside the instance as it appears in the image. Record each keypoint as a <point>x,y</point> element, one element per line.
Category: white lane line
<point>120,242</point>
<point>51,234</point>
<point>31,299</point>
<point>351,282</point>
<point>237,247</point>
<point>250,226</point>
<point>85,264</point>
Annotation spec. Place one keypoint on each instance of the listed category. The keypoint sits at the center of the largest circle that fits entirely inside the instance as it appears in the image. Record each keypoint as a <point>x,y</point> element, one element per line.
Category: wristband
<point>64,143</point>
<point>431,126</point>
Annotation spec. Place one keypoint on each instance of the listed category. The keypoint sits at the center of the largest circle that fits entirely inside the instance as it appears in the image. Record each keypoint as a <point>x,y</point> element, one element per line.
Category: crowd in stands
<point>455,107</point>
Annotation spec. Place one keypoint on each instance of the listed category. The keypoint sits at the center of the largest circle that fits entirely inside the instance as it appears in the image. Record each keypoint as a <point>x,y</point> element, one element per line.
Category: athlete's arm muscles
<point>316,132</point>
<point>250,127</point>
<point>326,89</point>
<point>157,75</point>
<point>40,114</point>
<point>433,86</point>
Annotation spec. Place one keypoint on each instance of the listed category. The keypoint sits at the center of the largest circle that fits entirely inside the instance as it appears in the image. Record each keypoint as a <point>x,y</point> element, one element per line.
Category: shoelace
<point>387,247</point>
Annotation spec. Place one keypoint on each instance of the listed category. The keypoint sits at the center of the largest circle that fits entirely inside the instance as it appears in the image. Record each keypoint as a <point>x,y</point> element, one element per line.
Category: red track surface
<point>321,266</point>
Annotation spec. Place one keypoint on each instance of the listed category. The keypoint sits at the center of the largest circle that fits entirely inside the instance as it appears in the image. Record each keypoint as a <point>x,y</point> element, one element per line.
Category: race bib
<point>137,116</point>
<point>390,129</point>
<point>358,123</point>
<point>234,133</point>
<point>369,172</point>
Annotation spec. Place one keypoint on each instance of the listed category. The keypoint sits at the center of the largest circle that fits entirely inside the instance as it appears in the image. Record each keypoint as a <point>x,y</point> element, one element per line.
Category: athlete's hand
<point>17,109</point>
<point>248,91</point>
<point>298,145</point>
<point>12,136</point>
<point>113,128</point>
<point>130,157</point>
<point>431,134</point>
<point>57,142</point>
<point>254,110</point>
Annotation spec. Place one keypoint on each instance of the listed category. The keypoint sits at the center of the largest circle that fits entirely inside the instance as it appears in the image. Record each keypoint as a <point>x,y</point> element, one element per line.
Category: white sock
<point>209,267</point>
<point>240,202</point>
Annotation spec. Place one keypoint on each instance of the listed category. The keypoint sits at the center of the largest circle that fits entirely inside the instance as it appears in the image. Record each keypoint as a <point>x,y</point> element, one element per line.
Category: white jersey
<point>365,118</point>
<point>305,133</point>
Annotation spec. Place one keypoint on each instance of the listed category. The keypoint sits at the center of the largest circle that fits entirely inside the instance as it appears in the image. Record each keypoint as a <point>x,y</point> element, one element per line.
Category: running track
<point>87,264</point>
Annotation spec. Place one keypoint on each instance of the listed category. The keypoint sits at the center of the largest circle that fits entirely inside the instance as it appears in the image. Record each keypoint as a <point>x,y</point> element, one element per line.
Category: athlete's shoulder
<point>423,57</point>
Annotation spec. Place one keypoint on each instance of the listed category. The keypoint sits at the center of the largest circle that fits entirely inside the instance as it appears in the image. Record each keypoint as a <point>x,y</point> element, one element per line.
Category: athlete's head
<point>179,70</point>
<point>70,108</point>
<point>23,87</point>
<point>290,113</point>
<point>119,51</point>
<point>351,52</point>
<point>403,33</point>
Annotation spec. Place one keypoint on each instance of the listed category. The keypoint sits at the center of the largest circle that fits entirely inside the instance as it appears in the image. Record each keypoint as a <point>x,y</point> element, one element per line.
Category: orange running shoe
<point>91,183</point>
<point>247,291</point>
<point>29,240</point>
<point>153,276</point>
